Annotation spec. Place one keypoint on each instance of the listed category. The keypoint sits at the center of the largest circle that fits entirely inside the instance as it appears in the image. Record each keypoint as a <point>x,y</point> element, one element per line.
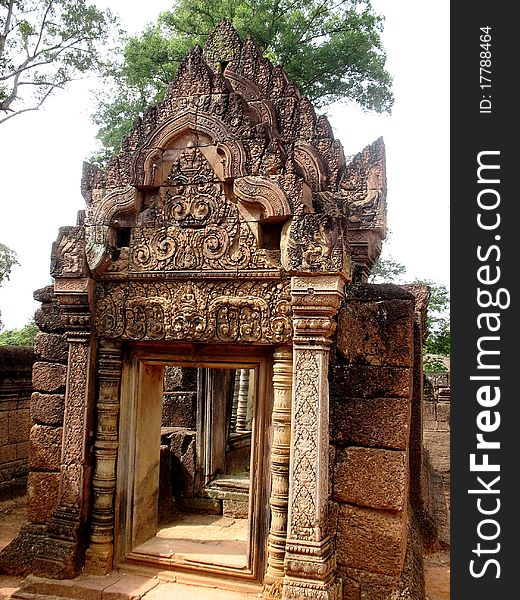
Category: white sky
<point>41,153</point>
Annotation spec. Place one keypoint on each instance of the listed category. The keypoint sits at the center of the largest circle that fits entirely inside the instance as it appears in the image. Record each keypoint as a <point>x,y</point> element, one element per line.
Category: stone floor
<point>130,586</point>
<point>200,538</point>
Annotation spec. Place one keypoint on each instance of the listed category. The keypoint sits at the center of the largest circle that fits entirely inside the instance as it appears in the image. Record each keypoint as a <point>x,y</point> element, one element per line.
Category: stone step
<point>122,586</point>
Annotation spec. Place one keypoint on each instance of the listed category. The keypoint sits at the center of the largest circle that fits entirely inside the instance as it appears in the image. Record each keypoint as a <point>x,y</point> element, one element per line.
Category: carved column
<point>100,552</point>
<point>63,552</point>
<point>234,406</point>
<point>243,397</point>
<point>280,453</point>
<point>310,559</point>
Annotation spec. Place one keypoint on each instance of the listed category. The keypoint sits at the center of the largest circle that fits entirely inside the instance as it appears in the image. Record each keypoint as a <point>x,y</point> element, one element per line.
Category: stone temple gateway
<point>229,243</point>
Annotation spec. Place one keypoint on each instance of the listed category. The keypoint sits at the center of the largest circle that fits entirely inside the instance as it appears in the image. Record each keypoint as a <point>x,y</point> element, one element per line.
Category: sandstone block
<point>49,377</point>
<point>359,381</point>
<point>48,318</point>
<point>45,448</point>
<point>7,453</point>
<point>443,412</point>
<point>51,346</point>
<point>42,496</point>
<point>44,294</point>
<point>22,450</point>
<point>47,409</point>
<point>377,422</point>
<point>377,333</point>
<point>19,426</point>
<point>235,509</point>
<point>371,477</point>
<point>4,427</point>
<point>371,540</point>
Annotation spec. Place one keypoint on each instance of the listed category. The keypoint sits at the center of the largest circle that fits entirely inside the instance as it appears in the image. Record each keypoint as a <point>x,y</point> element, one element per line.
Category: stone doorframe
<point>137,481</point>
<point>300,556</point>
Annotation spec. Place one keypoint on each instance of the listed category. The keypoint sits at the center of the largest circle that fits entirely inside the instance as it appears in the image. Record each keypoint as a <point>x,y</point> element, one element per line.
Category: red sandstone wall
<point>370,413</point>
<point>15,392</point>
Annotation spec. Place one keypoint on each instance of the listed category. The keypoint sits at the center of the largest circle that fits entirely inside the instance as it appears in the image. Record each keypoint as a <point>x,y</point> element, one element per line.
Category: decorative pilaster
<point>280,454</point>
<point>63,552</point>
<point>243,397</point>
<point>101,549</point>
<point>309,559</point>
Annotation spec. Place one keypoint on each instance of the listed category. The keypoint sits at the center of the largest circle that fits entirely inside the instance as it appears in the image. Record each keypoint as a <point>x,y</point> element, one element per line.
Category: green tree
<point>8,260</point>
<point>331,50</point>
<point>19,337</point>
<point>44,44</point>
<point>388,270</point>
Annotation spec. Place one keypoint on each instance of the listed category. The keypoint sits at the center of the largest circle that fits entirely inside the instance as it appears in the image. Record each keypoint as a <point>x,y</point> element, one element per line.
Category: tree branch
<point>7,25</point>
<point>32,108</point>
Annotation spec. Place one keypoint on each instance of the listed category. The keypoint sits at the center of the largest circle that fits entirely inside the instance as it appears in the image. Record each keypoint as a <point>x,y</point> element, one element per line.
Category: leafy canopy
<point>19,337</point>
<point>44,44</point>
<point>331,50</point>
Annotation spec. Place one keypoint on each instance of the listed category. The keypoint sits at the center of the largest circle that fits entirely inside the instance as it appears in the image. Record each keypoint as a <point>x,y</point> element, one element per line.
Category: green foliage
<point>8,260</point>
<point>19,337</point>
<point>438,320</point>
<point>332,50</point>
<point>386,270</point>
<point>44,44</point>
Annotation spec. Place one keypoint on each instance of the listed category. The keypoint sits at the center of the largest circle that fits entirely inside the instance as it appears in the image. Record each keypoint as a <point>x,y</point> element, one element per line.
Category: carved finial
<point>222,48</point>
<point>193,76</point>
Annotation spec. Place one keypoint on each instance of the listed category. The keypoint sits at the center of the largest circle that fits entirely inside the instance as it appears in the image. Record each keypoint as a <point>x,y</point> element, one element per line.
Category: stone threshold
<point>130,585</point>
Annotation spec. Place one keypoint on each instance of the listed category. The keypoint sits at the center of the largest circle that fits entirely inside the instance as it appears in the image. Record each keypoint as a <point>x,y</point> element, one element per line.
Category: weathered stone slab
<point>51,346</point>
<point>48,318</point>
<point>371,477</point>
<point>44,294</point>
<point>42,496</point>
<point>371,540</point>
<point>360,381</point>
<point>47,409</point>
<point>377,333</point>
<point>45,448</point>
<point>49,377</point>
<point>376,422</point>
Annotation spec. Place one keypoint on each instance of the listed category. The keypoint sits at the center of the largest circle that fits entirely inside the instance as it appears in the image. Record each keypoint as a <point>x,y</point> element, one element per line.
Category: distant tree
<point>19,337</point>
<point>438,321</point>
<point>8,260</point>
<point>331,50</point>
<point>386,270</point>
<point>44,44</point>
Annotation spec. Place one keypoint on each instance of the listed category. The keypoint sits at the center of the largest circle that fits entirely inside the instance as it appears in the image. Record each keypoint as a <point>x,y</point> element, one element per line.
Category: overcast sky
<point>41,153</point>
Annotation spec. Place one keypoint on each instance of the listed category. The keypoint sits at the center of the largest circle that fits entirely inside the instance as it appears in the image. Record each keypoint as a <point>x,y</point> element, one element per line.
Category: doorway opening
<point>193,433</point>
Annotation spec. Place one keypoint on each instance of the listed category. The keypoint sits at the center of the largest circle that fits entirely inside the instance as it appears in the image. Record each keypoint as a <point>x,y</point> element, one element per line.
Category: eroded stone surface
<point>371,477</point>
<point>49,377</point>
<point>45,448</point>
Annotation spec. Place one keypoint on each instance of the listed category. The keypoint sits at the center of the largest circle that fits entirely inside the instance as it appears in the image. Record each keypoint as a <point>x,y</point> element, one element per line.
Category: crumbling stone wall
<point>47,409</point>
<point>43,432</point>
<point>15,392</point>
<point>436,436</point>
<point>371,389</point>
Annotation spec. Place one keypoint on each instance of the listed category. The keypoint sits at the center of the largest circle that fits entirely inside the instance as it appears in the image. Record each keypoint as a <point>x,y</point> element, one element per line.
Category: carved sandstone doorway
<point>199,535</point>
